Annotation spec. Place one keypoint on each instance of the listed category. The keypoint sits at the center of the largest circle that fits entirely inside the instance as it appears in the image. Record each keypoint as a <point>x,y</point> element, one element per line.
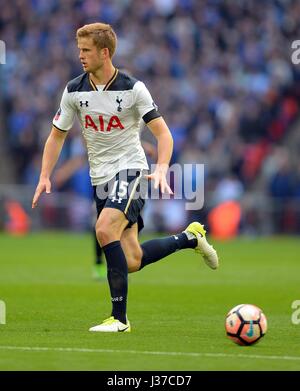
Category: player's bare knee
<point>106,232</point>
<point>106,235</point>
<point>101,235</point>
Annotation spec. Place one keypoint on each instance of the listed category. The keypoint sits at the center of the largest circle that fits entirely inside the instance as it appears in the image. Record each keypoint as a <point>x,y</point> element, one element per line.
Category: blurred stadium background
<point>221,74</point>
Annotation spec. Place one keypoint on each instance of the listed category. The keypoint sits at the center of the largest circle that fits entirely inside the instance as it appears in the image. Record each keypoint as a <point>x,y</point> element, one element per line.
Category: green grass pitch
<point>176,307</point>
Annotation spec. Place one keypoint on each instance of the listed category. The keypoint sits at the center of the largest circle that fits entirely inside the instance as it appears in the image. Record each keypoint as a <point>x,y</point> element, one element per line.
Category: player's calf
<point>132,248</point>
<point>133,254</point>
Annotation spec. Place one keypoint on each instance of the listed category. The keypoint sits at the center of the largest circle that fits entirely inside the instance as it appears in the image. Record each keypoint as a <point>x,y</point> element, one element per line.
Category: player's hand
<point>44,185</point>
<point>160,180</point>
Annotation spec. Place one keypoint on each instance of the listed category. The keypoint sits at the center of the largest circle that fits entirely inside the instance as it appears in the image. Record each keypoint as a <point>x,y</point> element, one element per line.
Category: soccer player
<point>110,105</point>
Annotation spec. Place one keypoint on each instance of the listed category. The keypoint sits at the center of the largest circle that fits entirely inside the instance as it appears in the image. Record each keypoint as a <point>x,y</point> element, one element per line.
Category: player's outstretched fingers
<point>154,177</point>
<point>48,187</point>
<point>35,198</point>
<point>168,189</point>
<point>45,186</point>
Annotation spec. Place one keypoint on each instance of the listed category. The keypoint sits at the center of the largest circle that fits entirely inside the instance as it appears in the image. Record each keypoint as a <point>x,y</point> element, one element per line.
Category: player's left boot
<point>207,251</point>
<point>112,325</point>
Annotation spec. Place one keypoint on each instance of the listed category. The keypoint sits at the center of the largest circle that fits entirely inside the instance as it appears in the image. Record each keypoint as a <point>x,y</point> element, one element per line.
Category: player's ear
<point>105,53</point>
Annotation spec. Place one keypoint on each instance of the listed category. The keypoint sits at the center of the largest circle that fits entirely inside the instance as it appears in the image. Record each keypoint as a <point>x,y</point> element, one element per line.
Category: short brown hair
<point>102,34</point>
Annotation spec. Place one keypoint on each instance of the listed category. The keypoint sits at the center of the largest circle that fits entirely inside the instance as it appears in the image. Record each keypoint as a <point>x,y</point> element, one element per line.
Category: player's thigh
<point>131,247</point>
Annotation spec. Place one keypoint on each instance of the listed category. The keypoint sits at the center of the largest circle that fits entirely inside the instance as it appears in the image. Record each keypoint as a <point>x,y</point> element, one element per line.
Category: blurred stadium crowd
<point>220,72</point>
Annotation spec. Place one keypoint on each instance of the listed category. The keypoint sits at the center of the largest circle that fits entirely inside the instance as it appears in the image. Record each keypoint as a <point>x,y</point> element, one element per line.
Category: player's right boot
<point>112,325</point>
<point>207,251</point>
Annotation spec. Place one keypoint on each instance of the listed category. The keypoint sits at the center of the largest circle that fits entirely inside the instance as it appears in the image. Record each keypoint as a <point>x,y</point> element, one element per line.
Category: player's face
<point>90,56</point>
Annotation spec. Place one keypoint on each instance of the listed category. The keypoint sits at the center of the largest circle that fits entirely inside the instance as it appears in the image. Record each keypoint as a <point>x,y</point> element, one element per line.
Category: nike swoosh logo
<point>120,330</point>
<point>251,330</point>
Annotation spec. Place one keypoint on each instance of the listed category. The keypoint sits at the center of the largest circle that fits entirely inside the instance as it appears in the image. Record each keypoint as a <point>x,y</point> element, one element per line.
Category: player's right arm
<point>62,122</point>
<point>52,150</point>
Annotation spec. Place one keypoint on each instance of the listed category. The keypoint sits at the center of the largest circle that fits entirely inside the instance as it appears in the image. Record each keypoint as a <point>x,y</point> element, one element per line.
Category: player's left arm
<point>148,111</point>
<point>164,139</point>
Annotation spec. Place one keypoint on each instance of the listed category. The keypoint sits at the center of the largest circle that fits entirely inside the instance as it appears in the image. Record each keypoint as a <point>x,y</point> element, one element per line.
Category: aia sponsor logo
<point>101,126</point>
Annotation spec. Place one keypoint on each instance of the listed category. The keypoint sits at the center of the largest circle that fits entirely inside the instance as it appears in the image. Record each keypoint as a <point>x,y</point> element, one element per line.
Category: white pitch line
<point>148,352</point>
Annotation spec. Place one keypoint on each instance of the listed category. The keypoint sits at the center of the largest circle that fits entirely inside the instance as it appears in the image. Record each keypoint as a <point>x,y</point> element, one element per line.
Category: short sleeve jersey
<point>110,121</point>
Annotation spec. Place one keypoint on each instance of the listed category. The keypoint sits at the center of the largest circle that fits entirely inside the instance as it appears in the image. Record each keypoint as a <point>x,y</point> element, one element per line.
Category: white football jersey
<point>110,120</point>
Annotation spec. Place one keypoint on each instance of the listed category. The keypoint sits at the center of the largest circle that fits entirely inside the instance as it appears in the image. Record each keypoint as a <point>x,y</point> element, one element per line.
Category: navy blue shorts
<point>126,192</point>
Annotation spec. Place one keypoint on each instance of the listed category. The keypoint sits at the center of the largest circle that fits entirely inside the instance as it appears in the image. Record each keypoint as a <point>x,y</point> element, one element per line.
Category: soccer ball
<point>245,324</point>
